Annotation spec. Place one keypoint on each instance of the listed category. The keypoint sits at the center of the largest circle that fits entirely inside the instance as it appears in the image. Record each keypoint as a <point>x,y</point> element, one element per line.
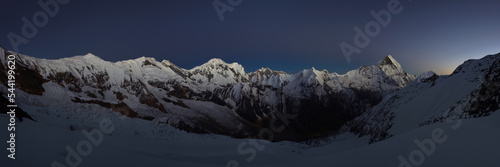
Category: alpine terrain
<point>217,114</point>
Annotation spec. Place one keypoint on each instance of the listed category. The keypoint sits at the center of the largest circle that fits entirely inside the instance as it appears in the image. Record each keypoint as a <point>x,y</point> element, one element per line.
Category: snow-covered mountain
<point>215,97</point>
<point>471,91</point>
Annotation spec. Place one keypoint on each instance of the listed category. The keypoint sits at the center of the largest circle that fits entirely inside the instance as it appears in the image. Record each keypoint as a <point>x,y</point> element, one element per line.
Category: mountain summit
<point>389,60</point>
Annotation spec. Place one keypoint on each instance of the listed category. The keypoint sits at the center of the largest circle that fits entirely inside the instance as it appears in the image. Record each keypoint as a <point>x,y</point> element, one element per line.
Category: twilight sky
<point>287,35</point>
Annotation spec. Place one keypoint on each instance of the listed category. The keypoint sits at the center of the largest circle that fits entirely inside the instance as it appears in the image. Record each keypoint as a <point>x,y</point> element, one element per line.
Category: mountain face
<point>470,91</point>
<point>215,97</point>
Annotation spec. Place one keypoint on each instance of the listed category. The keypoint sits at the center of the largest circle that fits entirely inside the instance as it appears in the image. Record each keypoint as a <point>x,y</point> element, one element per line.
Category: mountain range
<point>215,97</point>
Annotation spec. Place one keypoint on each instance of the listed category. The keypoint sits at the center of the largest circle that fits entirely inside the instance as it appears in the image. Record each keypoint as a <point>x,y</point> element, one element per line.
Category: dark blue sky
<point>281,34</point>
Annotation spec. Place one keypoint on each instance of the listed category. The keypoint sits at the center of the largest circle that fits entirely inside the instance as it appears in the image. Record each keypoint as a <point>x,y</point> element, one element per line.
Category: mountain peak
<point>91,56</point>
<point>389,60</point>
<point>86,57</point>
<point>268,71</point>
<point>265,70</point>
<point>426,75</point>
<point>143,58</point>
<point>216,61</point>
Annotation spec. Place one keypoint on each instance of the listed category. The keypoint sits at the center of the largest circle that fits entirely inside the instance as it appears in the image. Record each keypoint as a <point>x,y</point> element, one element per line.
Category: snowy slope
<point>136,142</point>
<point>473,143</point>
<point>433,99</point>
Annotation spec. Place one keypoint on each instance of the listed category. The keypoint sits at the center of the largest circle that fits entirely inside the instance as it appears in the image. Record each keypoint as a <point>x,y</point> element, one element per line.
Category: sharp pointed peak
<point>388,60</point>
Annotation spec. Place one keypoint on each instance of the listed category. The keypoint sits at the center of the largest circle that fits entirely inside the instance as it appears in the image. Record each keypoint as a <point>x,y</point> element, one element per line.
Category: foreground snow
<point>136,142</point>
